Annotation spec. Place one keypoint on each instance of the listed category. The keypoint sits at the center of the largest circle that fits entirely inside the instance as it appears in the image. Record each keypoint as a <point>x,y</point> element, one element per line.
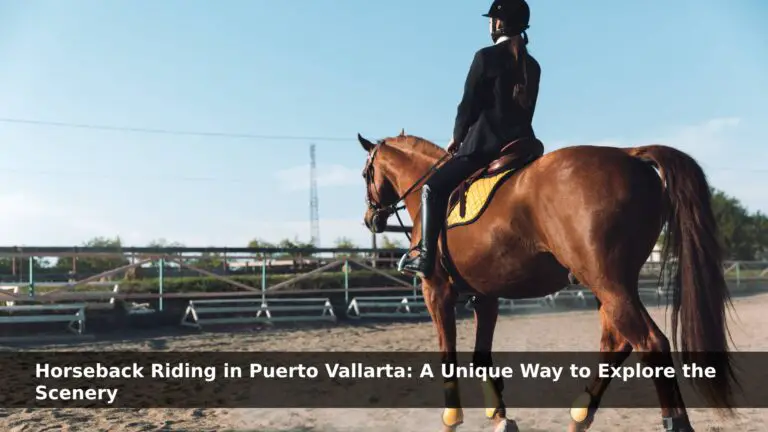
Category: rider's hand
<point>452,147</point>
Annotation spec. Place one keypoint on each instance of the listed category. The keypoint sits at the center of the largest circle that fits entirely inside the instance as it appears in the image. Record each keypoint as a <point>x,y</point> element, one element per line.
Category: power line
<point>163,131</point>
<point>129,178</point>
<point>169,131</point>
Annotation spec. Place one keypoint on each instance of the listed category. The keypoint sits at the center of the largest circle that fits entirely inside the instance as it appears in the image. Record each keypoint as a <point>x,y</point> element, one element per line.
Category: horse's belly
<point>506,268</point>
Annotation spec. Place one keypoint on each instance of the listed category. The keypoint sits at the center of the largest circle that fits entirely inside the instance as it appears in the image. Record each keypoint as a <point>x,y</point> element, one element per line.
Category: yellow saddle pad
<point>477,195</point>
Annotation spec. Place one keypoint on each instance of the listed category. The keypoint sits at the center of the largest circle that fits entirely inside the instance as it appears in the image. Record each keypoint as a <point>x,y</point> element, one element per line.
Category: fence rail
<point>341,261</point>
<point>277,302</point>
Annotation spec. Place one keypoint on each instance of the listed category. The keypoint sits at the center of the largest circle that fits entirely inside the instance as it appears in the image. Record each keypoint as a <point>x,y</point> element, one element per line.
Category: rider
<point>497,108</point>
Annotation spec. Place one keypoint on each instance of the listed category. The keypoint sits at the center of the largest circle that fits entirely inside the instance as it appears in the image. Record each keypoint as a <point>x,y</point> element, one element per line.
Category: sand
<point>567,331</point>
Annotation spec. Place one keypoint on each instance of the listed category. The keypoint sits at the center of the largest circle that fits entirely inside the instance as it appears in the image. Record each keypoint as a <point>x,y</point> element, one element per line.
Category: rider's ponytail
<point>517,45</point>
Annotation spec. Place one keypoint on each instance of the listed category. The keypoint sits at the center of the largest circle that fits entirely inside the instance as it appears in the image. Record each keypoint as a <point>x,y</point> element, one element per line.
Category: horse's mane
<point>412,144</point>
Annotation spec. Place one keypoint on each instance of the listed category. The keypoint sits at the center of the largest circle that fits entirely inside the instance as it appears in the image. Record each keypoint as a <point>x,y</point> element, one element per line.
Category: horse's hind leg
<point>623,307</point>
<point>486,314</point>
<point>614,350</point>
<point>440,300</point>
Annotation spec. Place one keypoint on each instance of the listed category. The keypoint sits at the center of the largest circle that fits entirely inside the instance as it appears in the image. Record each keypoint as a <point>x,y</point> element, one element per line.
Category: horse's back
<point>582,157</point>
<point>562,188</point>
<point>594,170</point>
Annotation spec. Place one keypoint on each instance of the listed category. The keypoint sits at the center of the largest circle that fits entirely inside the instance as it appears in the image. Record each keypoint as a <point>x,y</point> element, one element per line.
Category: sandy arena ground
<point>576,331</point>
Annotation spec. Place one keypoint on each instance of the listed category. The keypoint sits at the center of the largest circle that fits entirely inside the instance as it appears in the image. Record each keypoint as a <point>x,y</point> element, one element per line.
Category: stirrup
<point>407,257</point>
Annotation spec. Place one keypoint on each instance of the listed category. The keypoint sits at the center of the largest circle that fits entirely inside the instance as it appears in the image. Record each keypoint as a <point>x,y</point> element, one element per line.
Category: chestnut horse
<point>596,212</point>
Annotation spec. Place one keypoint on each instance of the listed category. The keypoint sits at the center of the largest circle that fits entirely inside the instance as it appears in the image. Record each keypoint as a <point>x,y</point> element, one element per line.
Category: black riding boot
<point>423,264</point>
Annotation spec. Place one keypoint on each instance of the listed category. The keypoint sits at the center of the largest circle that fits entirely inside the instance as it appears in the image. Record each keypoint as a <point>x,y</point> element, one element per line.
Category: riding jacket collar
<point>502,39</point>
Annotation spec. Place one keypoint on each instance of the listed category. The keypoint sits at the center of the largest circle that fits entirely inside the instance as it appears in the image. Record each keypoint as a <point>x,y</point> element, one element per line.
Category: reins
<point>395,208</point>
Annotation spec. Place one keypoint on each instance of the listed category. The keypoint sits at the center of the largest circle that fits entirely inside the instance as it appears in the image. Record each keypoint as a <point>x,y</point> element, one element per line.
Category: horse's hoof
<point>453,428</point>
<point>581,413</point>
<point>452,419</point>
<point>506,425</point>
<point>680,424</point>
<point>579,427</point>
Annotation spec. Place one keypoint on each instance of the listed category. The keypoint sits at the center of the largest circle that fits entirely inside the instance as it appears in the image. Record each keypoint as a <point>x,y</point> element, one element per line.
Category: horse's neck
<point>405,170</point>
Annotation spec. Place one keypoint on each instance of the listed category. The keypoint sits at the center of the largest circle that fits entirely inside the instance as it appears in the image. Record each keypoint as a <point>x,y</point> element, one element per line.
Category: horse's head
<point>380,194</point>
<point>395,171</point>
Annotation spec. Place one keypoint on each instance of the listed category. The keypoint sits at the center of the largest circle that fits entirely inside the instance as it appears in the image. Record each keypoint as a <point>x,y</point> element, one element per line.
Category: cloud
<point>706,135</point>
<point>297,178</point>
<point>706,141</point>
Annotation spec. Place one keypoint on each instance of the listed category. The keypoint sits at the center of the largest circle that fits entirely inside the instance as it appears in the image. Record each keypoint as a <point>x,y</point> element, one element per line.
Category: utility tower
<point>314,212</point>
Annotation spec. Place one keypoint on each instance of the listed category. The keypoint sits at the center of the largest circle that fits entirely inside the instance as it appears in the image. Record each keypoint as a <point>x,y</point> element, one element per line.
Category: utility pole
<point>314,211</point>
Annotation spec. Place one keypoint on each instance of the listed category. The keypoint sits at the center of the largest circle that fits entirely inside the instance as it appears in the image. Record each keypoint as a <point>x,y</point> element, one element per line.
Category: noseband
<point>374,205</point>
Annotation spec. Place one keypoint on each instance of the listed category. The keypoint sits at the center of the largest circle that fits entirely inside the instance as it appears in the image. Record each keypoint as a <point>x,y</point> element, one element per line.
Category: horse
<point>590,212</point>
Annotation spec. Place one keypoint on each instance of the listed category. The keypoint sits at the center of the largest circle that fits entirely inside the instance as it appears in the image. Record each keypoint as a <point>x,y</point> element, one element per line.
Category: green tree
<point>760,236</point>
<point>260,244</point>
<point>744,236</point>
<point>208,261</point>
<point>20,268</point>
<point>345,243</point>
<point>161,244</point>
<point>89,265</point>
<point>292,250</point>
<point>387,243</point>
<point>735,225</point>
<point>387,255</point>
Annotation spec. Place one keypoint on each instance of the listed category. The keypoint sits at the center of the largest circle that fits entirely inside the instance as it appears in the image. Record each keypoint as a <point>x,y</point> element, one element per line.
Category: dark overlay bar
<point>352,379</point>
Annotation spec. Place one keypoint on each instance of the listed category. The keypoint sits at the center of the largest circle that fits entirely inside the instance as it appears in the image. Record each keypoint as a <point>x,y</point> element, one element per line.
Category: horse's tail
<point>699,290</point>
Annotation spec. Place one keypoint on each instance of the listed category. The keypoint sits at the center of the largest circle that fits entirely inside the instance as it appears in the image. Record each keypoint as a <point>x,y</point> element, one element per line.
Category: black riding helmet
<point>513,14</point>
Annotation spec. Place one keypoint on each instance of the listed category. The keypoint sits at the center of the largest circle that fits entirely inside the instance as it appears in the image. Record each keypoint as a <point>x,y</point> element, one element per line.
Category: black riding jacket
<point>488,116</point>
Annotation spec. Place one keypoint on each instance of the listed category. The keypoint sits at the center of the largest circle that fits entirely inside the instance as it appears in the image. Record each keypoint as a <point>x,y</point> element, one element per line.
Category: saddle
<point>480,186</point>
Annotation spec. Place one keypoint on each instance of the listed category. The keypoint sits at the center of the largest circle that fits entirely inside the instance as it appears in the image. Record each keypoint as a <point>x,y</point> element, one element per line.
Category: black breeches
<point>450,175</point>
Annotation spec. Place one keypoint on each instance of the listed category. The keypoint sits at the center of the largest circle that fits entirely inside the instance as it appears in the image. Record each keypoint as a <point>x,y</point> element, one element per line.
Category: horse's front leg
<point>441,303</point>
<point>486,314</point>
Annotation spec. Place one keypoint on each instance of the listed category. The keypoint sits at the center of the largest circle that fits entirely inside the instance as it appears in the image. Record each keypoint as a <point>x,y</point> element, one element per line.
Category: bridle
<point>375,205</point>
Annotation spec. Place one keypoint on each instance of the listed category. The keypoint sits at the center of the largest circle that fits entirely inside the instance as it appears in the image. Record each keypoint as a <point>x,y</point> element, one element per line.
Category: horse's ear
<point>367,145</point>
<point>402,132</point>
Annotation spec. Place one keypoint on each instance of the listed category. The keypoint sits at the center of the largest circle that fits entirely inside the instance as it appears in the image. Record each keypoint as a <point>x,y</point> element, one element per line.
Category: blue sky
<point>691,74</point>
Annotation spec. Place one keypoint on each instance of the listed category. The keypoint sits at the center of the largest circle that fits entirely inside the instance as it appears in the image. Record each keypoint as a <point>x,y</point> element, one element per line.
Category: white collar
<point>502,39</point>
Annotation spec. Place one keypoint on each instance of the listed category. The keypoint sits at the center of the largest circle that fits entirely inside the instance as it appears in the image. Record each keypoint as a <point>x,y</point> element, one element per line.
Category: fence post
<point>263,278</point>
<point>346,281</point>
<point>161,264</point>
<point>32,277</point>
<point>738,275</point>
<point>375,254</point>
